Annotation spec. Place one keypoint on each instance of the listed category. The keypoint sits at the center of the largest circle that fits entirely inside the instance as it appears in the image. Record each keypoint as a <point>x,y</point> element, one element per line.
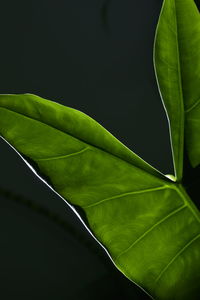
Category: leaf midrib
<point>181,112</point>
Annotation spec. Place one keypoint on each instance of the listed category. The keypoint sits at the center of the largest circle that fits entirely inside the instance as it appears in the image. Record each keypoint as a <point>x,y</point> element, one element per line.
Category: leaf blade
<point>75,123</point>
<point>127,209</point>
<point>177,65</point>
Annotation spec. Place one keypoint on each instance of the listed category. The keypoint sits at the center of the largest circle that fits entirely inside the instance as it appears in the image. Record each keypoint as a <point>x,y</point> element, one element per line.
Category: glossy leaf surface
<point>147,223</point>
<point>177,64</point>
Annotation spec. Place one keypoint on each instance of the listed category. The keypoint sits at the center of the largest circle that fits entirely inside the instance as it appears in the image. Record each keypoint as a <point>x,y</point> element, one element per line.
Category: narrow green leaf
<point>177,65</point>
<point>146,222</point>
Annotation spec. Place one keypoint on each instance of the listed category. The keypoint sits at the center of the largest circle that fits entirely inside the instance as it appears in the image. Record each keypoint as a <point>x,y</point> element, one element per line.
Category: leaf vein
<point>151,228</point>
<point>62,156</point>
<point>126,194</point>
<point>193,106</point>
<point>176,256</point>
<point>170,66</point>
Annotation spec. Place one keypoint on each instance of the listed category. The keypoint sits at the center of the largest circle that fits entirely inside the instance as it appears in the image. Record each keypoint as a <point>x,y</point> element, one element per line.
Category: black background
<point>95,56</point>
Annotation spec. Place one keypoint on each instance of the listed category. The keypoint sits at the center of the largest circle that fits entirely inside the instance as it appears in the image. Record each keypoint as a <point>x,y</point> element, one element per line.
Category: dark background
<point>95,56</point>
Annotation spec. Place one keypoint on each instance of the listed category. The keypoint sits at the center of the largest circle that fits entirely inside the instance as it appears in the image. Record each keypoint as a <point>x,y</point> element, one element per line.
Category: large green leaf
<point>177,64</point>
<point>146,222</point>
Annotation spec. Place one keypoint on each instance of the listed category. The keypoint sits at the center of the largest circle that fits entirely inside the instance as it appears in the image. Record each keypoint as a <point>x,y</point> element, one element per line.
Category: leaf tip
<point>171,177</point>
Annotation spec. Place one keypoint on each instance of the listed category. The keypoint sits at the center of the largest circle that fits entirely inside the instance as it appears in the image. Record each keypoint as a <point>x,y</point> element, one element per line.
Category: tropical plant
<point>145,220</point>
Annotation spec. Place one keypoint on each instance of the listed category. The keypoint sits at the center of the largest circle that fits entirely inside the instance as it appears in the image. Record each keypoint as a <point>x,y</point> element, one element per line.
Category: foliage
<point>145,220</point>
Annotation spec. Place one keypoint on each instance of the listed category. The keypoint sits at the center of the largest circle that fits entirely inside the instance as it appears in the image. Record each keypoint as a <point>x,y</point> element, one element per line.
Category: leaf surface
<point>147,223</point>
<point>177,65</point>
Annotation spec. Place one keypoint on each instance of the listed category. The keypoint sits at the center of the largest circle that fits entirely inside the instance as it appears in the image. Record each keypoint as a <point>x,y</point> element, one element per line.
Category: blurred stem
<point>56,219</point>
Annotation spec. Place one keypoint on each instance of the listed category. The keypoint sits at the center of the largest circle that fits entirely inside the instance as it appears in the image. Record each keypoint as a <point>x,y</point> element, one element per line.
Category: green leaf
<point>146,222</point>
<point>177,64</point>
